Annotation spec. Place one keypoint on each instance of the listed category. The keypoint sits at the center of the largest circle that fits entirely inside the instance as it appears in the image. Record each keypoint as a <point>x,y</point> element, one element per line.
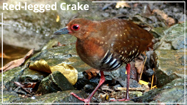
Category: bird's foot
<point>124,99</point>
<point>86,101</point>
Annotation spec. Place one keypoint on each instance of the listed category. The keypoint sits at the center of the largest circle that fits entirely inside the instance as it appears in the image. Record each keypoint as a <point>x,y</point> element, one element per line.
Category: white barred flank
<point>108,62</point>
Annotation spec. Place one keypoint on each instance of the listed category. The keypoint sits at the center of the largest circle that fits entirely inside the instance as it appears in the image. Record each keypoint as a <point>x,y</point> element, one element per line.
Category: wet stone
<point>105,14</point>
<point>53,83</point>
<point>32,75</point>
<point>173,37</point>
<point>172,92</point>
<point>149,72</point>
<point>179,43</point>
<point>132,83</point>
<point>89,88</point>
<point>61,54</point>
<point>10,96</point>
<point>170,66</point>
<point>81,82</point>
<point>56,97</point>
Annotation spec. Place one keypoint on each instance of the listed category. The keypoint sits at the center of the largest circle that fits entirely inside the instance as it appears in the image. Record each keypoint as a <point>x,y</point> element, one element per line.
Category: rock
<point>170,66</point>
<point>56,97</point>
<point>172,92</point>
<point>149,72</point>
<point>132,83</point>
<point>165,46</point>
<point>32,75</point>
<point>10,96</point>
<point>53,83</point>
<point>173,37</point>
<point>81,82</point>
<point>119,73</point>
<point>179,43</point>
<point>105,14</point>
<point>9,77</point>
<point>16,75</point>
<point>61,54</point>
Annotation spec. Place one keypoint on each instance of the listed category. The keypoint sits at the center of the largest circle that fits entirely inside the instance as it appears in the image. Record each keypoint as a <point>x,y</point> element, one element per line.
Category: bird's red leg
<point>87,100</point>
<point>128,66</point>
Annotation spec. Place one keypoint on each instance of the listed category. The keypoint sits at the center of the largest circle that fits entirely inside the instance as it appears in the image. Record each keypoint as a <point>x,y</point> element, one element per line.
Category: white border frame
<point>114,103</point>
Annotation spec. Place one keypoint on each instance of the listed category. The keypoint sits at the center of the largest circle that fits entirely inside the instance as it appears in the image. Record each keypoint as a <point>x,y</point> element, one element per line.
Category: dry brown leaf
<point>12,64</point>
<point>131,89</point>
<point>17,62</point>
<point>26,86</point>
<point>68,71</point>
<point>31,52</point>
<point>170,21</point>
<point>91,73</point>
<point>139,65</point>
<point>59,44</point>
<point>4,56</point>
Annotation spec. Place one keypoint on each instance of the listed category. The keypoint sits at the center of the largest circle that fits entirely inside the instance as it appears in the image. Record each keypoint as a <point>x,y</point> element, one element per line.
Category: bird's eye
<point>75,27</point>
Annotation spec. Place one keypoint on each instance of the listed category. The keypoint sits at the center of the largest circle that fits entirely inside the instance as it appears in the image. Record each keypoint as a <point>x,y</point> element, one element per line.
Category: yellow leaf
<point>143,82</point>
<point>68,71</point>
<point>154,87</point>
<point>122,4</point>
<point>57,18</point>
<point>40,65</point>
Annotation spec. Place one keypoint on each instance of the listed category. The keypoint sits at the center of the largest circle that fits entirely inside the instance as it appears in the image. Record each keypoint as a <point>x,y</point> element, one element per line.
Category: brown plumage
<point>105,45</point>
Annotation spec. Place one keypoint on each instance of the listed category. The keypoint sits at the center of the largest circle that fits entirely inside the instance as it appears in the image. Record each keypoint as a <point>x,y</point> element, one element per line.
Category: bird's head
<point>78,27</point>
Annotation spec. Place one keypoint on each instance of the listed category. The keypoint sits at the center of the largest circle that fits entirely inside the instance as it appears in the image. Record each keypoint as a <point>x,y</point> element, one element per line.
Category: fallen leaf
<point>133,73</point>
<point>103,96</point>
<point>122,4</point>
<point>68,71</point>
<point>40,65</point>
<point>59,44</point>
<point>139,65</point>
<point>90,73</point>
<point>132,89</point>
<point>4,56</point>
<point>57,18</point>
<point>141,82</point>
<point>147,11</point>
<point>170,21</point>
<point>135,5</point>
<point>17,62</point>
<point>28,87</point>
<point>106,88</point>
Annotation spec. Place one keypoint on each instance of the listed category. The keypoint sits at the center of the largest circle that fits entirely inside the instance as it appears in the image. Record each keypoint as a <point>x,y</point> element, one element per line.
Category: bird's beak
<point>62,31</point>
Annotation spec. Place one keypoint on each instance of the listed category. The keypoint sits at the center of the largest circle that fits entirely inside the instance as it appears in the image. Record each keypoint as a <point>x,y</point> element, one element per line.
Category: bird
<point>107,44</point>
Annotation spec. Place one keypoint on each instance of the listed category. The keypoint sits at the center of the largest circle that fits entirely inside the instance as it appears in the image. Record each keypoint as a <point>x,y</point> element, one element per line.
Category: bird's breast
<point>96,55</point>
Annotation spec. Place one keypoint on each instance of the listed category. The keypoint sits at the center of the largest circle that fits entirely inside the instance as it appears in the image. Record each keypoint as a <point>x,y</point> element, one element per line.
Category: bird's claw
<point>86,101</point>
